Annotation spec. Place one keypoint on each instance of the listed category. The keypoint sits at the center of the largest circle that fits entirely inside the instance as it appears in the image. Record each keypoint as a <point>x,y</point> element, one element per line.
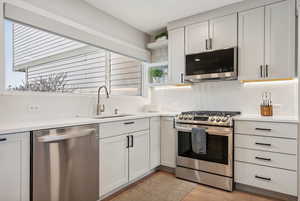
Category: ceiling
<point>152,15</point>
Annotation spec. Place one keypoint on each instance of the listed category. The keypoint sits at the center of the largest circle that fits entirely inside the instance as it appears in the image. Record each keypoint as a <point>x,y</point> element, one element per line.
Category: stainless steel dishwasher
<point>65,164</point>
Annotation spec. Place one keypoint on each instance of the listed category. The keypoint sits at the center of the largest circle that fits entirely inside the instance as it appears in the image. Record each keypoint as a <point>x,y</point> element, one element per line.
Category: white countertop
<point>283,119</point>
<point>21,126</point>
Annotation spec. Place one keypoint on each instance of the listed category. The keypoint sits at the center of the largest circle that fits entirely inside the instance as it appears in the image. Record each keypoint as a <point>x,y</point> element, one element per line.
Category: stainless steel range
<point>215,166</point>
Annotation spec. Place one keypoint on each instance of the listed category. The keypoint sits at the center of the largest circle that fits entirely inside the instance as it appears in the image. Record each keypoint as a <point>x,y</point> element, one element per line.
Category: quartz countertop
<point>23,126</point>
<point>283,119</point>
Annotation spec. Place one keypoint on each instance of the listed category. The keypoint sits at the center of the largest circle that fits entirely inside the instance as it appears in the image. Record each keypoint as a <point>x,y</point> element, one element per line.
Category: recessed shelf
<point>158,64</point>
<point>158,44</point>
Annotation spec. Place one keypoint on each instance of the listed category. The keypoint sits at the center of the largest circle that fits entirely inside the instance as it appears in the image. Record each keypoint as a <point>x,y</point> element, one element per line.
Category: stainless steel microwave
<point>218,64</point>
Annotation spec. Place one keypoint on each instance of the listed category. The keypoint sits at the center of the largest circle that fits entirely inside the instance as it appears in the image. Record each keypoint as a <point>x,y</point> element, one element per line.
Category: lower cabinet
<point>139,162</point>
<point>15,167</point>
<point>154,142</point>
<point>266,155</point>
<point>123,159</point>
<point>168,142</point>
<point>113,163</point>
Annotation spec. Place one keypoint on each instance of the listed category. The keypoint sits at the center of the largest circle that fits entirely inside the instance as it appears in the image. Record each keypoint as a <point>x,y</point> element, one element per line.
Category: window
<point>41,61</point>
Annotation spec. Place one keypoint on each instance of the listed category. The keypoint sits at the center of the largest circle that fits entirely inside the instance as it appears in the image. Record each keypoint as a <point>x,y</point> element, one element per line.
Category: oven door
<point>219,156</point>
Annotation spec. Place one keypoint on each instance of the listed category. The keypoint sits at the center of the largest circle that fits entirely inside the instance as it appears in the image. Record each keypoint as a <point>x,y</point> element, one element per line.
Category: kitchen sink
<point>111,116</point>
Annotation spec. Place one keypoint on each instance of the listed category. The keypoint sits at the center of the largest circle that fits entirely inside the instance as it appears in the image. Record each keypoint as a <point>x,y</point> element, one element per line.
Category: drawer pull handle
<point>128,123</point>
<point>264,129</point>
<point>263,159</point>
<point>2,139</point>
<point>263,178</point>
<point>262,144</point>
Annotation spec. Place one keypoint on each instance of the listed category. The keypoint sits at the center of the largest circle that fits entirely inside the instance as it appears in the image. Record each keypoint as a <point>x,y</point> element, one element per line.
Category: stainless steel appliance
<point>218,64</point>
<point>65,164</point>
<point>215,168</point>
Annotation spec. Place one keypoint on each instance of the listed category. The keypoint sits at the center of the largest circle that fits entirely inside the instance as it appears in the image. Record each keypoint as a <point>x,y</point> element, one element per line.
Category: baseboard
<point>263,192</point>
<point>166,169</point>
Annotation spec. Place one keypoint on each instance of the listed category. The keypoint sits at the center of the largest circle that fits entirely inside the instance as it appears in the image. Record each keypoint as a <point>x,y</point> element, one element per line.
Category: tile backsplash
<point>229,95</point>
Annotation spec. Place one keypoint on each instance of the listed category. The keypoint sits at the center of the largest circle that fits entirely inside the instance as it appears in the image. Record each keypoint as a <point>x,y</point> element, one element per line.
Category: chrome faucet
<point>101,107</point>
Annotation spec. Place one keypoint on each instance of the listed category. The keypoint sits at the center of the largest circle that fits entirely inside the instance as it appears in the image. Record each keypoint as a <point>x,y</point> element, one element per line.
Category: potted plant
<point>156,75</point>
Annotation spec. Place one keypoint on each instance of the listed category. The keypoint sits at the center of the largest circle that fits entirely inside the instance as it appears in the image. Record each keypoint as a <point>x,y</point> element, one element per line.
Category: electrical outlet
<point>33,108</point>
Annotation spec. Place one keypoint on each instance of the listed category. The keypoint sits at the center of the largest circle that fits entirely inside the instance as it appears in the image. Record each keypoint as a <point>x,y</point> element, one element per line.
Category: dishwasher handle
<point>71,135</point>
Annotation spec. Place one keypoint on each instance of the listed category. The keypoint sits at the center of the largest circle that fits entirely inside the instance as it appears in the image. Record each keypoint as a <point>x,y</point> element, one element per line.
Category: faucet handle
<point>100,109</point>
<point>116,111</point>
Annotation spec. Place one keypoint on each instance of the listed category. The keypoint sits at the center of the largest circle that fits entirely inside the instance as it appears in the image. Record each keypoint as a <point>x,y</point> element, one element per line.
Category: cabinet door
<point>223,32</point>
<point>280,40</point>
<point>195,37</point>
<point>113,163</point>
<point>154,142</point>
<point>168,142</point>
<point>14,167</point>
<point>176,56</point>
<point>139,160</point>
<point>251,44</point>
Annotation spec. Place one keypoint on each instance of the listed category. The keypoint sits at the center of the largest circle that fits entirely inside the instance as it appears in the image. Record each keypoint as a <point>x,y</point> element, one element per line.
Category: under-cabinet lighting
<point>179,86</point>
<point>270,82</point>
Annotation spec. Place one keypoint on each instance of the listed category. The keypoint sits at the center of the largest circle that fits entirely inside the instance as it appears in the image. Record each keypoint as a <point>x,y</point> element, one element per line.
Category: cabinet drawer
<point>277,160</point>
<point>122,127</point>
<point>273,179</point>
<point>284,130</point>
<point>288,146</point>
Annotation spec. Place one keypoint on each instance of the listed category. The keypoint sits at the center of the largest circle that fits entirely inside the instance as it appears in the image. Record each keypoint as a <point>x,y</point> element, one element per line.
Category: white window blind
<point>125,75</point>
<point>85,72</point>
<point>41,54</point>
<point>32,44</point>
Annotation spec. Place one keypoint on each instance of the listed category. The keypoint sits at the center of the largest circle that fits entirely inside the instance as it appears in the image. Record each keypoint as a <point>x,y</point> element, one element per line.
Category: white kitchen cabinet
<point>176,56</point>
<point>15,167</point>
<point>280,40</point>
<point>223,32</point>
<point>266,155</point>
<point>218,33</point>
<point>251,44</point>
<point>168,142</point>
<point>139,161</point>
<point>196,36</point>
<point>267,42</point>
<point>154,142</point>
<point>113,163</point>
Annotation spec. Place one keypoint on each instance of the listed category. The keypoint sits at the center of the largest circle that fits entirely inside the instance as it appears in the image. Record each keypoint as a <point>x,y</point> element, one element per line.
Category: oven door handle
<point>208,131</point>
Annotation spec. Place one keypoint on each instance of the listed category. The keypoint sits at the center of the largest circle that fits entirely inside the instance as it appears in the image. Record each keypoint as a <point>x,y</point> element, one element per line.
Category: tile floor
<point>162,186</point>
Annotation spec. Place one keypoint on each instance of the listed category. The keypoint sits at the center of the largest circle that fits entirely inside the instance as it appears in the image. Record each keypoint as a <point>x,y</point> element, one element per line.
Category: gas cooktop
<point>217,118</point>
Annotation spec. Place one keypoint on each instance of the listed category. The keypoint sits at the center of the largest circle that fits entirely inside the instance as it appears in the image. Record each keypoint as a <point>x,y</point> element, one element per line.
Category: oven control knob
<point>185,117</point>
<point>212,118</point>
<point>224,119</point>
<point>190,117</point>
<point>218,119</point>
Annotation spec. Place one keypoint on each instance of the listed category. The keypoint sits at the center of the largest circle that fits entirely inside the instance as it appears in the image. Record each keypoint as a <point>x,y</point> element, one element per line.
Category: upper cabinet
<point>176,56</point>
<point>251,44</point>
<point>223,32</point>
<point>218,33</point>
<point>267,42</point>
<point>280,40</point>
<point>196,38</point>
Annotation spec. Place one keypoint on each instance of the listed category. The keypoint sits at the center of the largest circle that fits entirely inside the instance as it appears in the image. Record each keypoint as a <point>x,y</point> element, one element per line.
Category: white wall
<point>229,95</point>
<point>15,106</point>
